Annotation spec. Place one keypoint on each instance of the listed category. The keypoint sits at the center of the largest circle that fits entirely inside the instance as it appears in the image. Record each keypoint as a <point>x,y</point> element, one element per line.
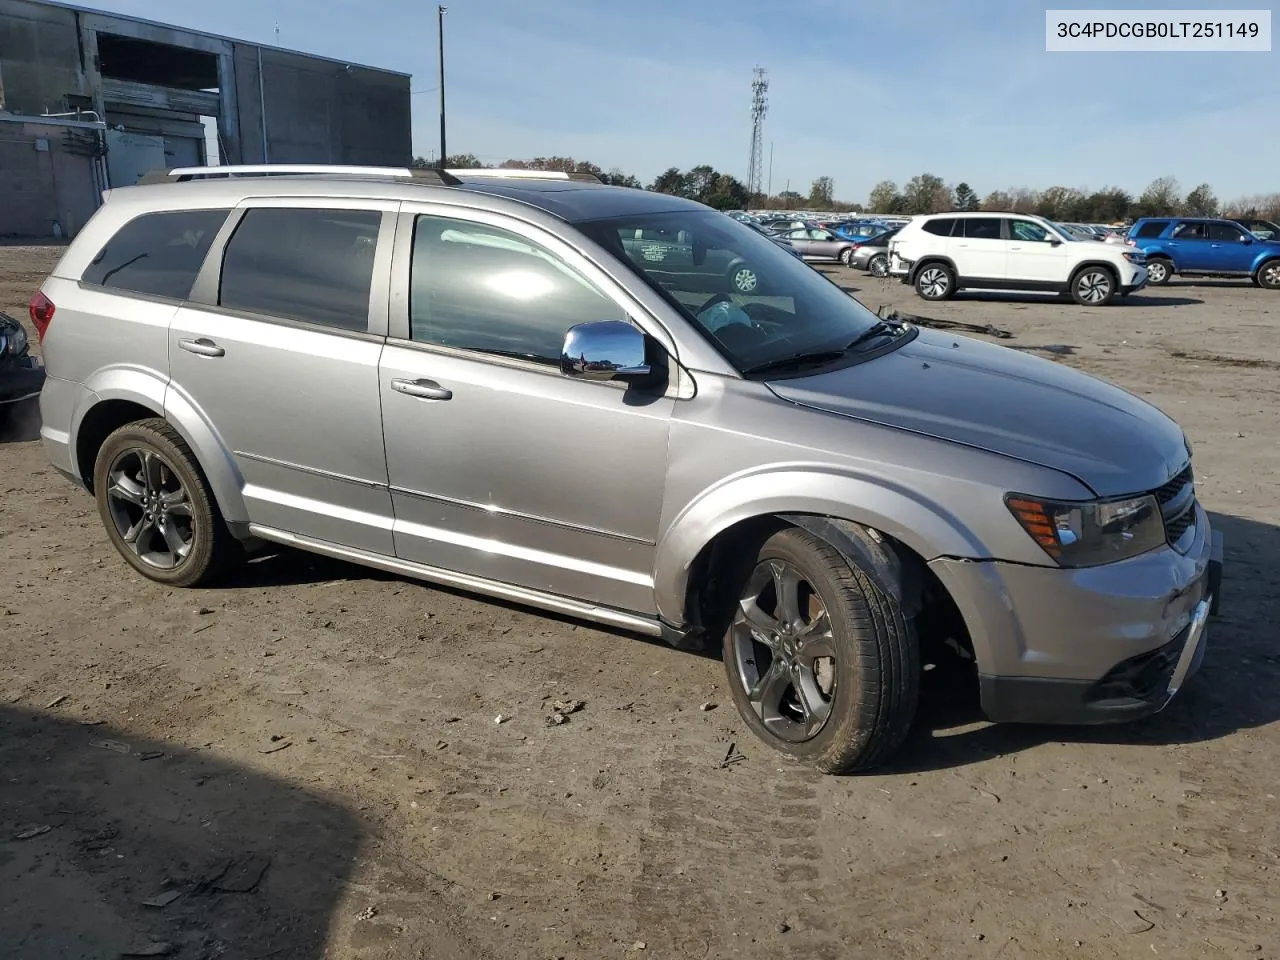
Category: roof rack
<point>519,173</point>
<point>185,174</point>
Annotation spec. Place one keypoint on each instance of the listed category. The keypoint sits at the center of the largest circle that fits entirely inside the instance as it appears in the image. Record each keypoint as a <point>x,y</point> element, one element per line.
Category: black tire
<point>879,265</point>
<point>744,279</point>
<point>1094,285</point>
<point>1159,271</point>
<point>935,281</point>
<point>1267,275</point>
<point>874,672</point>
<point>846,256</point>
<point>210,547</point>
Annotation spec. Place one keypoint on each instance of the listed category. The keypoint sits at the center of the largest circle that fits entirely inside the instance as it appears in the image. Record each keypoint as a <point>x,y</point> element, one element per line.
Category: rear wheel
<point>1093,286</point>
<point>157,506</point>
<point>1268,275</point>
<point>1159,270</point>
<point>935,281</point>
<point>846,256</point>
<point>821,664</point>
<point>879,266</point>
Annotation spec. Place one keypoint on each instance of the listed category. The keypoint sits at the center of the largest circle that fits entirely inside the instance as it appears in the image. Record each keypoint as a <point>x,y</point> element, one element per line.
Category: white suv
<point>943,253</point>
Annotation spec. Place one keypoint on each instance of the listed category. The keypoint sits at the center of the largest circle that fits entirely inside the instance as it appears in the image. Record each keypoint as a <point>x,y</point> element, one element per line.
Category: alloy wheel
<point>784,652</point>
<point>150,508</point>
<point>1094,286</point>
<point>934,282</point>
<point>1157,271</point>
<point>1271,275</point>
<point>745,280</point>
<point>879,266</point>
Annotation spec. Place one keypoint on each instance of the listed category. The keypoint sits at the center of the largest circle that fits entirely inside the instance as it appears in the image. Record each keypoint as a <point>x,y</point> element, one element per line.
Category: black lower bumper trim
<point>19,382</point>
<point>1052,701</point>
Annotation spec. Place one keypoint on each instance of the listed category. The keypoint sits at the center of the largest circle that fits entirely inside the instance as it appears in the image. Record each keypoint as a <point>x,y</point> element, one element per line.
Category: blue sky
<point>861,90</point>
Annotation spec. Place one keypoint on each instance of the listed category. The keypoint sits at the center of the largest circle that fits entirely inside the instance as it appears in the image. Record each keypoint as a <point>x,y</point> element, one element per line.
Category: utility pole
<point>440,26</point>
<point>759,107</point>
<point>769,189</point>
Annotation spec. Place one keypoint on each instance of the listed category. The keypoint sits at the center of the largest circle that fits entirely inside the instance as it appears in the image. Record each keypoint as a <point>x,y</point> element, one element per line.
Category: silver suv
<point>474,379</point>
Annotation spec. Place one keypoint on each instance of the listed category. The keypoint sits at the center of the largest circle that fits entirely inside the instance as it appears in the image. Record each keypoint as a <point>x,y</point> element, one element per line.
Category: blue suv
<point>1191,245</point>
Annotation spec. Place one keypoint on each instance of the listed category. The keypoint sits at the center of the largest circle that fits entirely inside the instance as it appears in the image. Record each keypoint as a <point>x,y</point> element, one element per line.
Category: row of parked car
<point>861,243</point>
<point>945,253</point>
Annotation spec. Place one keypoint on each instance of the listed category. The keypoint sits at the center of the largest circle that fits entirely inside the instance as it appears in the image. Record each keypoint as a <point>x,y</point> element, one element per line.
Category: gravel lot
<point>308,757</point>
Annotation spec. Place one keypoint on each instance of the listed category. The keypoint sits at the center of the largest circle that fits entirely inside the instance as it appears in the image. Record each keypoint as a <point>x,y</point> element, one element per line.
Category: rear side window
<point>477,287</point>
<point>941,227</point>
<point>310,265</point>
<point>157,254</point>
<point>1152,229</point>
<point>981,228</point>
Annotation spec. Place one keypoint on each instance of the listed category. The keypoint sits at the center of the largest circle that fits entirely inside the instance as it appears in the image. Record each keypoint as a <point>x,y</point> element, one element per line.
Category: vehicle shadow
<point>20,422</point>
<point>114,845</point>
<point>1013,297</point>
<point>1233,691</point>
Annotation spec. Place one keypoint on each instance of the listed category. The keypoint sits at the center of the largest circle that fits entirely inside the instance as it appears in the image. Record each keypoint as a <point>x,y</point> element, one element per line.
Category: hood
<point>1009,403</point>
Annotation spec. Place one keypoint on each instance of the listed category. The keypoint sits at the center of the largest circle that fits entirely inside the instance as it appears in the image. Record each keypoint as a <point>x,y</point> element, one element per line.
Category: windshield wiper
<point>878,329</point>
<point>795,360</point>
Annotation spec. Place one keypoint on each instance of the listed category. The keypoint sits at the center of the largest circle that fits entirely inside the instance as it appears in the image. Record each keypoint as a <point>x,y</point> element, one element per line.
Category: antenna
<point>759,107</point>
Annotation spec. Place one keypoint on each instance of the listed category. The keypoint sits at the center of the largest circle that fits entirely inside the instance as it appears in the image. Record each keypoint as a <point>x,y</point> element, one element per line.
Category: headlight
<point>1134,257</point>
<point>1088,534</point>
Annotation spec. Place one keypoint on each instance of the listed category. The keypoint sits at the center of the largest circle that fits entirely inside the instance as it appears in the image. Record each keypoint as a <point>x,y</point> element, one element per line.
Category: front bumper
<point>1093,645</point>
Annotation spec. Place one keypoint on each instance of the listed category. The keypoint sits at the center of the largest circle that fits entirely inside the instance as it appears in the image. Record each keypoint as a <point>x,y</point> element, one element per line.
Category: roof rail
<point>185,174</point>
<point>519,173</point>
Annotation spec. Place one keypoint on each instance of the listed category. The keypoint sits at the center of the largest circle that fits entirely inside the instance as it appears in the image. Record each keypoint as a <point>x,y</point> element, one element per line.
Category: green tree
<point>822,193</point>
<point>619,179</point>
<point>1107,205</point>
<point>1058,203</point>
<point>670,181</point>
<point>883,197</point>
<point>926,193</point>
<point>966,198</point>
<point>790,200</point>
<point>1201,202</point>
<point>1161,198</point>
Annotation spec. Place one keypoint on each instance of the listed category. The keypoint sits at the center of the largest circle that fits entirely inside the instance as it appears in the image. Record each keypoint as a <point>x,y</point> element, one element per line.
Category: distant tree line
<point>925,193</point>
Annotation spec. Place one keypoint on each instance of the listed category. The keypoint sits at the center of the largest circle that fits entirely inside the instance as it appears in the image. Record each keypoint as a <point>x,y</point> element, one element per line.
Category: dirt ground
<point>308,758</point>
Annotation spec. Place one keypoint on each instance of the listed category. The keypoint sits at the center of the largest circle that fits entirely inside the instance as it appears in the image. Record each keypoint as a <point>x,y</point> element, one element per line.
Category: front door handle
<point>426,389</point>
<point>204,347</point>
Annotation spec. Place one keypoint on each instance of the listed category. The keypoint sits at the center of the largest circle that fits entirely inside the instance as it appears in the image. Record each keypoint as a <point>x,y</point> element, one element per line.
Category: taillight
<point>41,311</point>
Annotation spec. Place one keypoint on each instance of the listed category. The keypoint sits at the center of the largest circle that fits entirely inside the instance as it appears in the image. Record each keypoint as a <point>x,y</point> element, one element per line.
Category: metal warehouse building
<point>91,100</point>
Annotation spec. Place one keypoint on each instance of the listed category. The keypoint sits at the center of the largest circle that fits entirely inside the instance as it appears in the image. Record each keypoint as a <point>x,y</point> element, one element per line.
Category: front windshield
<point>755,300</point>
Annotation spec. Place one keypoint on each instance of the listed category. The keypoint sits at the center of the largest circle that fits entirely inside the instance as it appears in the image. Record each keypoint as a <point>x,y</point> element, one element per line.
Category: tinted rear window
<point>1152,229</point>
<point>158,254</point>
<point>310,265</point>
<point>941,227</point>
<point>982,228</point>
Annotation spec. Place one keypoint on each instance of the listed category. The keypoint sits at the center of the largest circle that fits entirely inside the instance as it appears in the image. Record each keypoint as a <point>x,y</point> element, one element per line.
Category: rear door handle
<point>204,347</point>
<point>426,389</point>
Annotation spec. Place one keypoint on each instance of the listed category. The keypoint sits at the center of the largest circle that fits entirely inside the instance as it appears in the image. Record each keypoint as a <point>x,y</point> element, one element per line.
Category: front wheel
<point>1093,287</point>
<point>821,664</point>
<point>935,281</point>
<point>1158,272</point>
<point>879,266</point>
<point>1268,275</point>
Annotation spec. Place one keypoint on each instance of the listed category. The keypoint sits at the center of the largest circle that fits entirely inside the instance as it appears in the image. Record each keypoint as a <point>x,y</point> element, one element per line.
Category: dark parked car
<point>21,375</point>
<point>1262,229</point>
<point>872,254</point>
<point>673,252</point>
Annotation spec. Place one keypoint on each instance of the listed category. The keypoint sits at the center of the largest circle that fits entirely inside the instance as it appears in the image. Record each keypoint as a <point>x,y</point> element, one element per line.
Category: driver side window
<point>477,287</point>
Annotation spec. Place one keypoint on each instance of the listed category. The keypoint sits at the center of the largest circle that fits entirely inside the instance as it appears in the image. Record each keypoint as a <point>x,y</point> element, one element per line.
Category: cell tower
<point>759,107</point>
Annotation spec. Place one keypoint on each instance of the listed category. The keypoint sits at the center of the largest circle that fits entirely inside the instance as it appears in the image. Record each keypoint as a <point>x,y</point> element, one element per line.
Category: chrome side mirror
<point>604,350</point>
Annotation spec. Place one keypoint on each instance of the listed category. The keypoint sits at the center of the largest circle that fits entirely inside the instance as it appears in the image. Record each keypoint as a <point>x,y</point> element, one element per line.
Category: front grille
<point>1177,500</point>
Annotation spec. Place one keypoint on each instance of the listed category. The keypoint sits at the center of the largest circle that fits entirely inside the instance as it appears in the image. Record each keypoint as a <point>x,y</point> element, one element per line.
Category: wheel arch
<point>1266,260</point>
<point>932,258</point>
<point>857,515</point>
<point>118,396</point>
